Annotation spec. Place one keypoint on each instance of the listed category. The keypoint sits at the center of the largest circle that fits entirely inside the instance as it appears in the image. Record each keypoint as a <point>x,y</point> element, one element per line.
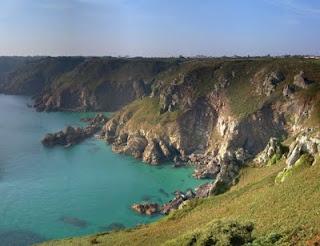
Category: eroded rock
<point>73,135</point>
<point>146,208</point>
<point>303,144</point>
<point>152,153</point>
<point>272,152</point>
<point>301,81</point>
<point>271,81</point>
<point>177,201</point>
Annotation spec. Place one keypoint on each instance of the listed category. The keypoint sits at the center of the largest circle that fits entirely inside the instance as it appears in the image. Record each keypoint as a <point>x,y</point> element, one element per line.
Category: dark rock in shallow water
<point>74,221</point>
<point>147,198</point>
<point>20,238</point>
<point>146,208</point>
<point>113,227</point>
<point>162,191</point>
<point>73,135</point>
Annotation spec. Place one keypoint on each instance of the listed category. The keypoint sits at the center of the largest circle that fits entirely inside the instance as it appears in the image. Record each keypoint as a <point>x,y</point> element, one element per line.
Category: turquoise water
<point>38,186</point>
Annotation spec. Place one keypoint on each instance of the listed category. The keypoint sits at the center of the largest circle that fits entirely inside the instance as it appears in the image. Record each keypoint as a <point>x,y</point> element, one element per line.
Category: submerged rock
<point>74,221</point>
<point>162,191</point>
<point>113,227</point>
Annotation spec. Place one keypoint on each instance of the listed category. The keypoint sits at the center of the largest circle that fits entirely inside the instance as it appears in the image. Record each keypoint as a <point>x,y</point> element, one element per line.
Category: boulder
<point>146,208</point>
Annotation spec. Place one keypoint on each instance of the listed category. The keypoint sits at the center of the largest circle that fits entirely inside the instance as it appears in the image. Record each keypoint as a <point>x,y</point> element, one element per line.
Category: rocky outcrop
<point>270,80</point>
<point>152,153</point>
<point>302,145</point>
<point>288,91</point>
<point>301,81</point>
<point>146,208</point>
<point>135,145</point>
<point>178,201</point>
<point>302,154</point>
<point>272,152</point>
<point>73,135</point>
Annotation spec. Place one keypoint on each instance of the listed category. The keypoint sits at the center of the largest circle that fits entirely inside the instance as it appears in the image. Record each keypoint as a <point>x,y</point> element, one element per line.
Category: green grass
<point>146,114</point>
<point>291,209</point>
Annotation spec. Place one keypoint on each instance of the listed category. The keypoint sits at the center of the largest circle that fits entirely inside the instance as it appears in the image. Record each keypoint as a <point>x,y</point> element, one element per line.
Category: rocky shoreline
<point>207,135</point>
<point>73,135</point>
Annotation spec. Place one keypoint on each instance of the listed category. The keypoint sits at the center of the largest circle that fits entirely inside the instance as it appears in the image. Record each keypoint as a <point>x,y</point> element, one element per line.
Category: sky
<point>159,27</point>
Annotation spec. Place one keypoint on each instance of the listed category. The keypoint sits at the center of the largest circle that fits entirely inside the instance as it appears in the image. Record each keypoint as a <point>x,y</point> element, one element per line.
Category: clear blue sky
<point>159,27</point>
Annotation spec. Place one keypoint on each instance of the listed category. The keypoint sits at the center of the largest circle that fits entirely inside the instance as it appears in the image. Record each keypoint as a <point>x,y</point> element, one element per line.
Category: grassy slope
<point>292,208</point>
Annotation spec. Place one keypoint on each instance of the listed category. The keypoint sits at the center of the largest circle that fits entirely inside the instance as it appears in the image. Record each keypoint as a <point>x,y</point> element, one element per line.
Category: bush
<point>217,233</point>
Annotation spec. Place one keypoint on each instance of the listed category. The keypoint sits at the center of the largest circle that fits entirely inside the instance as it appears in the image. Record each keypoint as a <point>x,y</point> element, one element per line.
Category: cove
<point>57,193</point>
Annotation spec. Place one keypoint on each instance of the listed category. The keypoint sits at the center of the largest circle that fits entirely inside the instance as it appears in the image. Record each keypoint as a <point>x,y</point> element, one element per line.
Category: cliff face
<point>102,84</point>
<point>218,115</point>
<point>81,83</point>
<point>31,76</point>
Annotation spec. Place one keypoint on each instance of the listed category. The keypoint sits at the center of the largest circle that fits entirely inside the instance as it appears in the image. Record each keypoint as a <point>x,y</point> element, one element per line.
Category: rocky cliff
<point>218,115</point>
<point>81,83</point>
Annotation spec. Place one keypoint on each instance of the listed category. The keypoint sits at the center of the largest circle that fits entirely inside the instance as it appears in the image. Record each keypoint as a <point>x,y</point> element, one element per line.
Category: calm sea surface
<point>57,193</point>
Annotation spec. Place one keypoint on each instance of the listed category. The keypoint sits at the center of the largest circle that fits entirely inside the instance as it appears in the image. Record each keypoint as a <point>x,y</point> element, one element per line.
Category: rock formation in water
<point>74,221</point>
<point>73,135</point>
<point>146,208</point>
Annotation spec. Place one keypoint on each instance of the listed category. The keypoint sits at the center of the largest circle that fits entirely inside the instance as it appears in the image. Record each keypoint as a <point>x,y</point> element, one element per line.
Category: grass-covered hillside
<point>31,76</point>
